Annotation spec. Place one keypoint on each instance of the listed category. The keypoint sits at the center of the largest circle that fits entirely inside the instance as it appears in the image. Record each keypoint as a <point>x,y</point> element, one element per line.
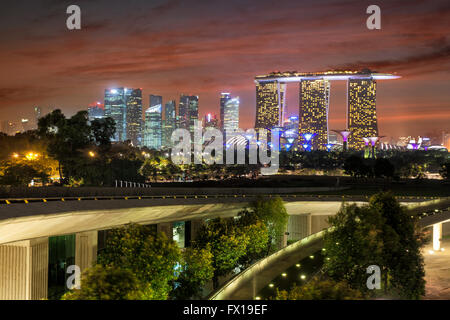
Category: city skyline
<point>175,53</point>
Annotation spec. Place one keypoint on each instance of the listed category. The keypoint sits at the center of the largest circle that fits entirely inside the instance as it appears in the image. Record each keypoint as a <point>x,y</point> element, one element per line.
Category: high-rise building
<point>224,98</point>
<point>169,123</point>
<point>211,121</point>
<point>231,115</point>
<point>183,112</point>
<point>193,113</point>
<point>188,112</point>
<point>26,125</point>
<point>134,117</point>
<point>270,104</point>
<point>362,112</point>
<point>96,111</point>
<point>153,124</point>
<point>313,115</point>
<point>116,108</point>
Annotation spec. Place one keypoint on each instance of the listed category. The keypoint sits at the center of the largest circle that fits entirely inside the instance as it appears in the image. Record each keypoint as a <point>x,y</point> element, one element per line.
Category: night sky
<point>212,46</point>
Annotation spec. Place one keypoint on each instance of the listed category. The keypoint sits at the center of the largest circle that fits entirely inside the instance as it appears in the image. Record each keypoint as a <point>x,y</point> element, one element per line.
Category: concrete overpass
<point>27,224</point>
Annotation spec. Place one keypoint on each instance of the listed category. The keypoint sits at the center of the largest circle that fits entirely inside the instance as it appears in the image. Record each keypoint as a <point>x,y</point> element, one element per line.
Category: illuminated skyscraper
<point>193,113</point>
<point>169,123</point>
<point>134,117</point>
<point>96,111</point>
<point>270,104</point>
<point>314,104</point>
<point>362,112</point>
<point>211,121</point>
<point>188,112</point>
<point>231,115</point>
<point>224,98</point>
<point>116,108</point>
<point>153,124</point>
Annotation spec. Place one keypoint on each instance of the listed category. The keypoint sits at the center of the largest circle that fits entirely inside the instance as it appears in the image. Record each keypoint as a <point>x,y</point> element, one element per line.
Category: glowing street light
<point>32,156</point>
<point>15,155</point>
<point>91,154</point>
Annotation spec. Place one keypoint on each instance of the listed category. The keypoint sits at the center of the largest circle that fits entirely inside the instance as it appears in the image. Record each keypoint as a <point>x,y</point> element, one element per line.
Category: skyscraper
<point>169,123</point>
<point>313,115</point>
<point>188,112</point>
<point>96,111</point>
<point>116,108</point>
<point>231,115</point>
<point>362,112</point>
<point>270,104</point>
<point>134,117</point>
<point>193,113</point>
<point>183,112</point>
<point>211,121</point>
<point>153,124</point>
<point>224,98</point>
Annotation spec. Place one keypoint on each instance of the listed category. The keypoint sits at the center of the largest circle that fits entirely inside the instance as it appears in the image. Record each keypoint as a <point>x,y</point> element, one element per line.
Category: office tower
<point>224,98</point>
<point>313,116</point>
<point>231,115</point>
<point>96,111</point>
<point>188,112</point>
<point>183,112</point>
<point>211,121</point>
<point>270,104</point>
<point>169,123</point>
<point>116,108</point>
<point>193,113</point>
<point>153,124</point>
<point>134,117</point>
<point>25,125</point>
<point>362,113</point>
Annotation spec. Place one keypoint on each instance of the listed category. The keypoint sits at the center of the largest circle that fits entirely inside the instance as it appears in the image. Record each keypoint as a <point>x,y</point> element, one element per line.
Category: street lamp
<point>91,154</point>
<point>32,156</point>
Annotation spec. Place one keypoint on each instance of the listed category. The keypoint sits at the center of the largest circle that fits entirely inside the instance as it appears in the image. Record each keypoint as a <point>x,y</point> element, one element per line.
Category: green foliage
<point>445,171</point>
<point>20,174</point>
<point>258,234</point>
<point>196,270</point>
<point>107,283</point>
<point>381,233</point>
<point>317,289</point>
<point>274,215</point>
<point>227,245</point>
<point>152,258</point>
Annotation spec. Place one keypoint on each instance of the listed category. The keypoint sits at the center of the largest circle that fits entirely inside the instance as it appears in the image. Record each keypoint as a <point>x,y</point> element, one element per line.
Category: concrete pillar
<point>166,228</point>
<point>24,270</point>
<point>319,223</point>
<point>309,224</point>
<point>299,226</point>
<point>86,247</point>
<point>437,236</point>
<point>195,227</point>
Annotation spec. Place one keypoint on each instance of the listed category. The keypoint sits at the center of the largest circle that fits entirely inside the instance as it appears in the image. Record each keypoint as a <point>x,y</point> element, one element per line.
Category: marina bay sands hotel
<point>314,94</point>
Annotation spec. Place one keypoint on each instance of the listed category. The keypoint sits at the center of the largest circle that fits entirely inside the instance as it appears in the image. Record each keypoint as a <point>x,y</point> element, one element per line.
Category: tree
<point>353,244</point>
<point>20,174</point>
<point>103,130</point>
<point>383,168</point>
<point>318,289</point>
<point>152,258</point>
<point>196,270</point>
<point>445,170</point>
<point>383,234</point>
<point>274,215</point>
<point>227,245</point>
<point>107,283</point>
<point>258,234</point>
<point>356,167</point>
<point>403,260</point>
